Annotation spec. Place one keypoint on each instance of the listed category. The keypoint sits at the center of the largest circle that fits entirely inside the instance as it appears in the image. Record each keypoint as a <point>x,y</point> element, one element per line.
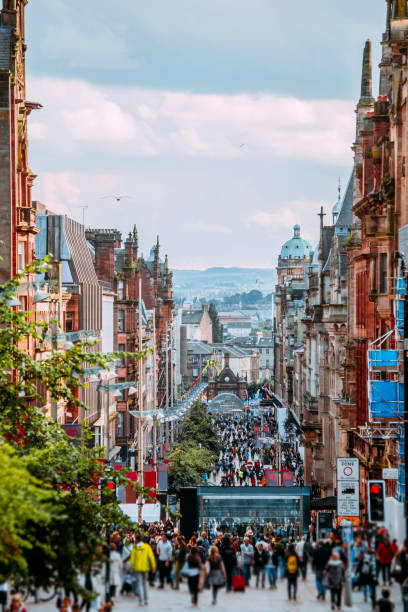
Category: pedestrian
<point>301,552</point>
<point>385,555</point>
<point>193,569</point>
<point>142,561</point>
<point>367,573</point>
<point>16,604</point>
<point>4,589</point>
<point>180,553</point>
<point>260,561</point>
<point>165,551</point>
<point>321,555</point>
<point>292,571</point>
<point>400,566</point>
<point>334,573</point>
<point>247,552</point>
<point>229,558</point>
<point>66,604</point>
<point>385,604</point>
<point>272,563</point>
<point>216,572</point>
<point>115,571</point>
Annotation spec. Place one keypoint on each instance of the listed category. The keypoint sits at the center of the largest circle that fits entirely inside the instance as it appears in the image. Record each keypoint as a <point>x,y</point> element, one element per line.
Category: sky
<point>223,122</point>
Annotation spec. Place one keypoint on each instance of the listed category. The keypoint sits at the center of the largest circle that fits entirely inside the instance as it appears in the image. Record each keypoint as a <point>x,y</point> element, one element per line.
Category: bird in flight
<point>118,198</point>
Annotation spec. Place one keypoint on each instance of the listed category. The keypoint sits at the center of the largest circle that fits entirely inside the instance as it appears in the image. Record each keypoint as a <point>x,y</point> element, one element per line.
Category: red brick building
<point>120,269</point>
<point>18,219</point>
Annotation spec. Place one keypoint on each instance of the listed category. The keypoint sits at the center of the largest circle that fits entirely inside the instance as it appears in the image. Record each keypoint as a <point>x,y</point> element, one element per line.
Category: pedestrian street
<point>253,600</point>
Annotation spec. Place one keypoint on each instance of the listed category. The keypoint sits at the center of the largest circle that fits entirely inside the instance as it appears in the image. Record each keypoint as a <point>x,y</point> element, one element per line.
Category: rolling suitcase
<point>238,582</point>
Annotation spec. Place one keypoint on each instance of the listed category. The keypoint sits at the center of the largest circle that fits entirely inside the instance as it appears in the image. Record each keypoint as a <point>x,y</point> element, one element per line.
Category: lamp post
<point>105,376</point>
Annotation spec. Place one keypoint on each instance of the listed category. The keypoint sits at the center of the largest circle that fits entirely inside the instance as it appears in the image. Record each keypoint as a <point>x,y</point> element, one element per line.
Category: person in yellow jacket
<point>142,561</point>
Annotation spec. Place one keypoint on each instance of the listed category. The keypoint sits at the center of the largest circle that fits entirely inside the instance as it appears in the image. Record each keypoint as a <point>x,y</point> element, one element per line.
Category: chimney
<point>104,242</point>
<point>226,360</point>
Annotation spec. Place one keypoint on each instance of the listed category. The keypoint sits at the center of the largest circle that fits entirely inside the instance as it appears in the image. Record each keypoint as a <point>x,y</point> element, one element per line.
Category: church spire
<point>367,75</point>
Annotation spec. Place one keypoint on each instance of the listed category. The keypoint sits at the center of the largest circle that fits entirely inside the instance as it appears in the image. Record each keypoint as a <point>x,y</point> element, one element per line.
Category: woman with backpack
<point>335,574</point>
<point>291,570</point>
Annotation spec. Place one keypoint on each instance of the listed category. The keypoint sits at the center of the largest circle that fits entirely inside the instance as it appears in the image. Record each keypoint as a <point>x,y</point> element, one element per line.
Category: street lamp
<point>105,376</point>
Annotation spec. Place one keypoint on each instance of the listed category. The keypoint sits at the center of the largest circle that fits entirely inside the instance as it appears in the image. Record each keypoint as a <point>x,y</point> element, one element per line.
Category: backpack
<point>292,564</point>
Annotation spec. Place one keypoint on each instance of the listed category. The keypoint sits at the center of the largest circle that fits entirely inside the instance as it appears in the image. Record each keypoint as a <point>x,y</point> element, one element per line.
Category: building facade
<point>18,218</point>
<point>293,265</point>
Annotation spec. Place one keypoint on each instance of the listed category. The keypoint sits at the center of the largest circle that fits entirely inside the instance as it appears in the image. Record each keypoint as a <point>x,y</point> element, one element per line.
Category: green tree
<point>195,452</point>
<point>51,506</point>
<point>197,429</point>
<point>187,465</point>
<point>217,330</point>
<point>24,501</point>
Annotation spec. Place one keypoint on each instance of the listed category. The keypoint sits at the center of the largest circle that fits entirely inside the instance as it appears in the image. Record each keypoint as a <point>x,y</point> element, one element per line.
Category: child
<point>385,604</point>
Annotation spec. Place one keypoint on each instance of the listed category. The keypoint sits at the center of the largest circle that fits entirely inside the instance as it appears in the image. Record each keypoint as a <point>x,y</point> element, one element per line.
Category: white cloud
<point>214,126</point>
<point>209,228</point>
<point>58,191</point>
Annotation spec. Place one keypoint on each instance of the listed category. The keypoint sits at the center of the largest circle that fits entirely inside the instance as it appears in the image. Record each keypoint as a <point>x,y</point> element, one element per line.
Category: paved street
<point>252,600</point>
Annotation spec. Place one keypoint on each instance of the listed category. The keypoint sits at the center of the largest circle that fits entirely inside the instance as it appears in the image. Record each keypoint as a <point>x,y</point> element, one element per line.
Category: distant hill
<point>217,282</point>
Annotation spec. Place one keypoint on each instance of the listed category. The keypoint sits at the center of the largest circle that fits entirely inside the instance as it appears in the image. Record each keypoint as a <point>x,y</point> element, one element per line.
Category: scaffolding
<point>386,386</point>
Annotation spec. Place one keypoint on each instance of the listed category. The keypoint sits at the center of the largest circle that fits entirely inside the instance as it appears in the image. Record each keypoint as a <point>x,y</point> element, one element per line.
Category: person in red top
<point>385,555</point>
<point>394,546</point>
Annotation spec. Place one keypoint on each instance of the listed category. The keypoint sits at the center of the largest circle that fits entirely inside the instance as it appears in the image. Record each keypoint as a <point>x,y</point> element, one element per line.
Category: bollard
<point>405,595</point>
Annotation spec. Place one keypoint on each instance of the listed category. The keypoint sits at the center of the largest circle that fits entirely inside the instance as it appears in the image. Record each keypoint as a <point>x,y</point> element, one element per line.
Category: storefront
<point>236,508</point>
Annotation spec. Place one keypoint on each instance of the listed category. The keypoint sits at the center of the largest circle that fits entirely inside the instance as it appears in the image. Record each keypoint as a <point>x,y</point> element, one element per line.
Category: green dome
<point>296,247</point>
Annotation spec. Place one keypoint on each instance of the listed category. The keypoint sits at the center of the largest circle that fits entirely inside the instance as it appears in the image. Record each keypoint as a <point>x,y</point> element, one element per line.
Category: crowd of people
<point>248,446</point>
<point>234,557</point>
<point>160,557</point>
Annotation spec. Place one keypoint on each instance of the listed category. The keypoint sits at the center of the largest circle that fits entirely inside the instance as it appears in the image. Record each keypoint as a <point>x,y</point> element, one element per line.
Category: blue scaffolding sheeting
<point>386,398</point>
<point>383,359</point>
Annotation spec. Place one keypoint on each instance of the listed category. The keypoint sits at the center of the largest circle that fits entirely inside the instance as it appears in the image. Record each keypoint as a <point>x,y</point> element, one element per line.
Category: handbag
<point>189,571</point>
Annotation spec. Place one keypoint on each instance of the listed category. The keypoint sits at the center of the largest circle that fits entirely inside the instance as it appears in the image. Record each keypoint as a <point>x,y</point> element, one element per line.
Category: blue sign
<point>347,534</point>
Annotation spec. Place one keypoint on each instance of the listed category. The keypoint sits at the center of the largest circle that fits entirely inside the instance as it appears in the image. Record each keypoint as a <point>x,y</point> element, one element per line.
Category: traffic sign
<point>348,487</point>
<point>249,465</point>
<point>390,473</point>
<point>347,469</point>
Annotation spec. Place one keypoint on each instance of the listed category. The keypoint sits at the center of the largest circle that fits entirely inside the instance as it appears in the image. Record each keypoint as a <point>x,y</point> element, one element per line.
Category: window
<point>121,424</point>
<point>195,371</point>
<point>267,351</point>
<point>121,290</point>
<point>69,323</point>
<point>373,274</point>
<point>383,273</point>
<point>21,256</point>
<point>121,348</point>
<point>121,320</point>
<point>361,298</point>
<point>267,363</point>
<point>23,302</point>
